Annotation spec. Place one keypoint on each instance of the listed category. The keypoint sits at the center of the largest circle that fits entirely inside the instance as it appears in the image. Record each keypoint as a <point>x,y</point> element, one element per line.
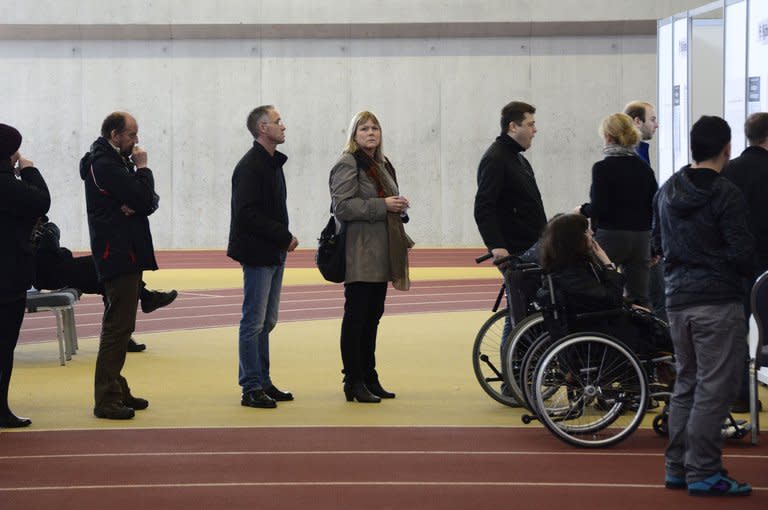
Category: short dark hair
<point>114,121</point>
<point>564,243</point>
<point>756,128</point>
<point>514,112</point>
<point>709,135</point>
<point>255,116</point>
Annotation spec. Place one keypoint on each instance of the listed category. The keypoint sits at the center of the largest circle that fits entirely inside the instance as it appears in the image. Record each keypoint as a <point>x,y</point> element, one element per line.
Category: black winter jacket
<point>508,208</point>
<point>22,202</point>
<point>750,173</point>
<point>622,194</point>
<point>586,287</point>
<point>258,229</point>
<point>700,227</point>
<point>120,243</point>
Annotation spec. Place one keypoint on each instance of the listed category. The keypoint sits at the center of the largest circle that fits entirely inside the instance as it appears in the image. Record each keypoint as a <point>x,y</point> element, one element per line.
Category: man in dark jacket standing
<point>750,173</point>
<point>119,195</point>
<point>259,239</point>
<point>24,198</point>
<point>700,224</point>
<point>508,208</point>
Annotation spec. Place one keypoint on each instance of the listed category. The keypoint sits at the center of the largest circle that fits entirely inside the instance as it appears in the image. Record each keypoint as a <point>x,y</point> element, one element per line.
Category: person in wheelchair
<point>585,281</point>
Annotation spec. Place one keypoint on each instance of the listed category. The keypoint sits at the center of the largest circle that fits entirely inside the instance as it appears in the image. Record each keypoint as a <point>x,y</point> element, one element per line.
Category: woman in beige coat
<point>367,203</point>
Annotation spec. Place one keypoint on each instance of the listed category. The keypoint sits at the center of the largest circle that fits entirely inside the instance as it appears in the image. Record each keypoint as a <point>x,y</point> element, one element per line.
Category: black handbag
<point>331,258</point>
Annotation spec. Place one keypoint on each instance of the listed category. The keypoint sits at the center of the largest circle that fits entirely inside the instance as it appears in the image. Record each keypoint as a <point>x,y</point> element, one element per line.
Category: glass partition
<point>664,107</point>
<point>735,72</point>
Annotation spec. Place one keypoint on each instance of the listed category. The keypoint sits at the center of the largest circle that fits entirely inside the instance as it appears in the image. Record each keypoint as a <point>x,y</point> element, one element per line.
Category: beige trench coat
<point>356,203</point>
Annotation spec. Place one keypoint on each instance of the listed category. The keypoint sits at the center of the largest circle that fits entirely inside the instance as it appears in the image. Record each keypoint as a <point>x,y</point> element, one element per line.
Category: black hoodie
<point>120,243</point>
<point>700,227</point>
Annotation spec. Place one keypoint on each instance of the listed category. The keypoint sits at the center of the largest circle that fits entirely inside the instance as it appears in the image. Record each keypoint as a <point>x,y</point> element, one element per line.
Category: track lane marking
<point>350,452</point>
<point>341,484</point>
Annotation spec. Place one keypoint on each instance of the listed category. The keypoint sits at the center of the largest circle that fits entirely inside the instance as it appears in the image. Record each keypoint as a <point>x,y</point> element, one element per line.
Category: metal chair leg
<point>63,354</point>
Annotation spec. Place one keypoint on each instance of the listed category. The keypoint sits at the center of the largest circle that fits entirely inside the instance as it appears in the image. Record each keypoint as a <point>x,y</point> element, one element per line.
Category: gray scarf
<point>613,150</point>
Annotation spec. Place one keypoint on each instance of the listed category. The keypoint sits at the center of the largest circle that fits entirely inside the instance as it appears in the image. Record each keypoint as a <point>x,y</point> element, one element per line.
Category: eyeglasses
<point>278,122</point>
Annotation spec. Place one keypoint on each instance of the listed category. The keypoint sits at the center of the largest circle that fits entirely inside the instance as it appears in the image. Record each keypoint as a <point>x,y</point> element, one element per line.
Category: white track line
<point>352,452</point>
<point>238,314</point>
<point>342,484</point>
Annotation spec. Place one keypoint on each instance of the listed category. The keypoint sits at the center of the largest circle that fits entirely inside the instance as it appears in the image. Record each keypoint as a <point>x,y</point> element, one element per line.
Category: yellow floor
<point>190,377</point>
<point>188,279</point>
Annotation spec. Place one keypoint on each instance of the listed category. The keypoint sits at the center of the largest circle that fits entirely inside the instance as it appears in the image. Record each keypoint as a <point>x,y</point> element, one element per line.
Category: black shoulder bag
<point>331,258</point>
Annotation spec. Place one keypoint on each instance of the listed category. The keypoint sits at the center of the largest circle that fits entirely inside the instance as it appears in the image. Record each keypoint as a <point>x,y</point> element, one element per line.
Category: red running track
<point>331,468</point>
<point>217,308</point>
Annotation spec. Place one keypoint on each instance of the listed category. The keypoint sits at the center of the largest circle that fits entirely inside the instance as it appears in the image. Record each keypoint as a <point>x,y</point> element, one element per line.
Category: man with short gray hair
<point>259,240</point>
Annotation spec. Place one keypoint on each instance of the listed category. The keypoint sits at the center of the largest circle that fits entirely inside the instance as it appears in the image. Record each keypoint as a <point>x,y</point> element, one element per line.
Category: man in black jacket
<point>120,195</point>
<point>24,198</point>
<point>508,208</point>
<point>750,173</point>
<point>259,239</point>
<point>700,225</point>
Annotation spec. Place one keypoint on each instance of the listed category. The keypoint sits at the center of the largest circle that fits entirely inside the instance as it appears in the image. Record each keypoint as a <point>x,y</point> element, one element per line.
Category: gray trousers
<point>630,250</point>
<point>710,345</point>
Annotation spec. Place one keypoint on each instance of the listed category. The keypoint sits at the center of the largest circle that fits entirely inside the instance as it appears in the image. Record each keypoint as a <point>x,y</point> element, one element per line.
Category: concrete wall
<point>438,98</point>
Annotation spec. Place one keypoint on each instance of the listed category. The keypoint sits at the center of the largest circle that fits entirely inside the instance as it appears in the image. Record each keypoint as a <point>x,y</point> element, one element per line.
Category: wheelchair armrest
<point>602,314</point>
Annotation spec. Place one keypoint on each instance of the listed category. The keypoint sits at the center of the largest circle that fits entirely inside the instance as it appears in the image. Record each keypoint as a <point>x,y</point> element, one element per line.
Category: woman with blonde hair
<point>622,191</point>
<point>366,202</point>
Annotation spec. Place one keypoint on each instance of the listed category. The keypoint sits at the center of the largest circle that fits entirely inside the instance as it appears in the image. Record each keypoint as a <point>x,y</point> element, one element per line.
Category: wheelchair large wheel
<point>528,371</point>
<point>521,338</point>
<point>602,394</point>
<point>486,359</point>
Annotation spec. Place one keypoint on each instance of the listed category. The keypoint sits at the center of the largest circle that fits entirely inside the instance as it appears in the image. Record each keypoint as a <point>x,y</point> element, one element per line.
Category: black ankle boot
<point>375,388</point>
<point>359,392</point>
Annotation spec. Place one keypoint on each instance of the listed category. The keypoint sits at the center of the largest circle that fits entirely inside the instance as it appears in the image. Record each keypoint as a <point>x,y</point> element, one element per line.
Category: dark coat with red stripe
<point>120,243</point>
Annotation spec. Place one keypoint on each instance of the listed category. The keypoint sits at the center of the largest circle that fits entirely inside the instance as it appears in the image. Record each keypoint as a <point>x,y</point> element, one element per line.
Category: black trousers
<point>363,308</point>
<point>117,325</point>
<point>11,316</point>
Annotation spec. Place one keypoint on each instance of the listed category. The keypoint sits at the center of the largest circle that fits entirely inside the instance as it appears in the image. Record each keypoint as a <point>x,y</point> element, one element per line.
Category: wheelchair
<point>588,388</point>
<point>490,345</point>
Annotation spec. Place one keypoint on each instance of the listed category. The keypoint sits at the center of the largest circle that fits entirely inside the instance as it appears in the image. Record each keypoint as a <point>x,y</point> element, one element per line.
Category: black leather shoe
<point>375,388</point>
<point>114,412</point>
<point>359,392</point>
<point>152,300</point>
<point>277,395</point>
<point>136,403</point>
<point>259,399</point>
<point>11,421</point>
<point>135,347</point>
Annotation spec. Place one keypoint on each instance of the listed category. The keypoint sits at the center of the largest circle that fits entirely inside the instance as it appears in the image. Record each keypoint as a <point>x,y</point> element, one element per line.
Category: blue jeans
<point>261,299</point>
